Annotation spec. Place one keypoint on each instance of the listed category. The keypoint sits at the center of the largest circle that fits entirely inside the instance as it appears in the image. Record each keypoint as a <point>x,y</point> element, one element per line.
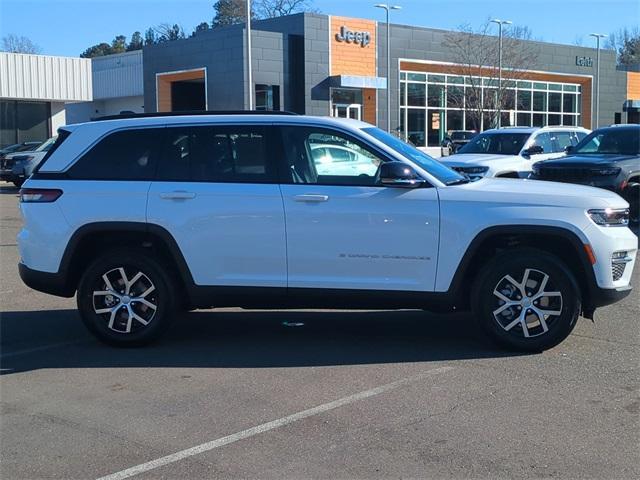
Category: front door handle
<point>311,198</point>
<point>177,195</point>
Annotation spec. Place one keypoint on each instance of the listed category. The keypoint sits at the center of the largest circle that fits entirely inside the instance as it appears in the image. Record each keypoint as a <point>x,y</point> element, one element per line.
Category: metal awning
<point>358,81</point>
<point>631,105</point>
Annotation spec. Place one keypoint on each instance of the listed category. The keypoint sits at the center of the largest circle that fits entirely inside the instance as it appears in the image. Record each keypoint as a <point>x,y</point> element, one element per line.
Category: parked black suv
<point>608,158</point>
<point>456,139</point>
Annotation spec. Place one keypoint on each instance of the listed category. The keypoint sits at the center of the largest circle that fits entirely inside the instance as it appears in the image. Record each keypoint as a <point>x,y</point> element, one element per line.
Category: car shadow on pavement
<point>247,339</point>
<point>9,190</point>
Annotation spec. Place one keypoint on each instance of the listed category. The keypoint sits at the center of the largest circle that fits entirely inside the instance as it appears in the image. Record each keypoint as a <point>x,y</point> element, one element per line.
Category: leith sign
<point>584,61</point>
<point>346,35</point>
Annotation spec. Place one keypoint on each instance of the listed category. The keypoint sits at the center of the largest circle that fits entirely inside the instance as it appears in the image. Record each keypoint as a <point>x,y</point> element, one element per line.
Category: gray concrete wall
<point>220,51</point>
<point>316,64</point>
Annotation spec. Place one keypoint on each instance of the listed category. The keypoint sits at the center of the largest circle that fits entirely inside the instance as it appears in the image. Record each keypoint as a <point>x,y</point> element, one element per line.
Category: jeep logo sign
<point>584,61</point>
<point>346,35</point>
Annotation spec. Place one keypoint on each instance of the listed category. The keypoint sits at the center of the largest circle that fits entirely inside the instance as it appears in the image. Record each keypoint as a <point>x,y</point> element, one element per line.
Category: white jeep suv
<point>510,152</point>
<point>145,215</point>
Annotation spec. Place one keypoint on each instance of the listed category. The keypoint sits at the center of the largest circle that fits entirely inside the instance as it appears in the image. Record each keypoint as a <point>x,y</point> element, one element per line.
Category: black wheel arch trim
<point>589,281</point>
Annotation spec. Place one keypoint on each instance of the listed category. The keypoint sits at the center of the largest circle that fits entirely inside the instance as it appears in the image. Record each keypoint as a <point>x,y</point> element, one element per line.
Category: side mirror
<point>399,174</point>
<point>568,149</point>
<point>534,150</point>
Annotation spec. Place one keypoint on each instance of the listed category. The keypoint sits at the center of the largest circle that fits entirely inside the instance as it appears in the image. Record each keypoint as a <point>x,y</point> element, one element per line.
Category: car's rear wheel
<point>18,183</point>
<point>526,299</point>
<point>126,298</point>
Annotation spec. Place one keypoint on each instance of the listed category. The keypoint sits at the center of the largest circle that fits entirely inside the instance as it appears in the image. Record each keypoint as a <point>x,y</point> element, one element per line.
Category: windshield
<point>462,135</point>
<point>434,167</point>
<point>620,141</point>
<point>46,145</point>
<point>507,143</point>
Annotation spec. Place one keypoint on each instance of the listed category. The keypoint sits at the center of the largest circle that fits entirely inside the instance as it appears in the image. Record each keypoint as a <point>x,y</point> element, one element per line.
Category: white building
<point>117,87</point>
<point>34,90</point>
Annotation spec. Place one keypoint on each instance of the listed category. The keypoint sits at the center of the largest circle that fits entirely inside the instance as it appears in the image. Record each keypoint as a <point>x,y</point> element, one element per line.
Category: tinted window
<point>124,155</point>
<point>543,140</point>
<point>496,143</point>
<point>326,157</point>
<point>625,141</point>
<point>563,140</point>
<point>217,154</point>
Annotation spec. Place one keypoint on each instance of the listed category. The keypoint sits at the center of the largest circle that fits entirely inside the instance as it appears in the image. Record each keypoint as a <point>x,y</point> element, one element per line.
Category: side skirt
<point>283,298</point>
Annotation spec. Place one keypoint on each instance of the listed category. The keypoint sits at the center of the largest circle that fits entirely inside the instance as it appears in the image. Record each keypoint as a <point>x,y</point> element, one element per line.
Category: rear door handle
<point>177,195</point>
<point>311,198</point>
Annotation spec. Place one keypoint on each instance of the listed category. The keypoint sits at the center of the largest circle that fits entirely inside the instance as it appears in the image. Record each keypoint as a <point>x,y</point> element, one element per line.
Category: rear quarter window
<point>123,155</point>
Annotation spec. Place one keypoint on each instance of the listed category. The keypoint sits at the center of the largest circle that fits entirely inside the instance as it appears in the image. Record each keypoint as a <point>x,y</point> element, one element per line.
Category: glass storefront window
<point>539,86</point>
<point>436,78</point>
<point>524,99</point>
<point>509,99</point>
<point>416,94</point>
<point>417,77</point>
<point>435,127</point>
<point>539,120</point>
<point>554,119</point>
<point>539,101</point>
<point>555,102</point>
<point>556,87</point>
<point>523,119</point>
<point>569,120</point>
<point>416,119</point>
<point>522,84</point>
<point>436,96</point>
<point>403,93</point>
<point>455,97</point>
<point>455,120</point>
<point>569,104</point>
<point>569,88</point>
<point>455,80</point>
<point>23,121</point>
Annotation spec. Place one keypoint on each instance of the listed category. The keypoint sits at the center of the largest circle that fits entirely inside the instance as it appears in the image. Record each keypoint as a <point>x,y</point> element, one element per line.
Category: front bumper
<point>52,283</point>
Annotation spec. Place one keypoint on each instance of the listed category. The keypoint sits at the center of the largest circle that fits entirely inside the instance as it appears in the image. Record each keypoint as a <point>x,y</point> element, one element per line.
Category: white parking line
<point>39,349</point>
<point>205,447</point>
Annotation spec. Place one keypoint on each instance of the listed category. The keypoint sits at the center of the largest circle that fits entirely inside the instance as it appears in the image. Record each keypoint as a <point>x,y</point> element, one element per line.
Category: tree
<point>626,43</point>
<point>150,37</point>
<point>97,50</point>
<point>19,44</point>
<point>167,33</point>
<point>279,8</point>
<point>135,43</point>
<point>476,53</point>
<point>119,44</point>
<point>230,12</point>
<point>201,28</point>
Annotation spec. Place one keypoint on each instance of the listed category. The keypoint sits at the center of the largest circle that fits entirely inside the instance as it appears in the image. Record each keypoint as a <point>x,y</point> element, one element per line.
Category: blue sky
<point>67,27</point>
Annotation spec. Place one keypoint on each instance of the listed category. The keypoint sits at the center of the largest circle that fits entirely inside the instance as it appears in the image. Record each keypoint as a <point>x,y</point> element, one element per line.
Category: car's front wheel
<point>526,299</point>
<point>126,298</point>
<point>632,195</point>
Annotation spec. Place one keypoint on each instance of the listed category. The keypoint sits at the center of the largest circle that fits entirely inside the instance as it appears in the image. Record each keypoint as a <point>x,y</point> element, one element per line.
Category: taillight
<point>39,195</point>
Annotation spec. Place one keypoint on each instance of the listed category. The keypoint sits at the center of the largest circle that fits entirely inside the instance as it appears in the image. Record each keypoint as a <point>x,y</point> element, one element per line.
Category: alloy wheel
<point>126,300</point>
<point>527,308</point>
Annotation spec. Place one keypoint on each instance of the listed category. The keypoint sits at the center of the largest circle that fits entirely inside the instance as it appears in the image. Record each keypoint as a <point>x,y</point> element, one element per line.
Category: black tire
<point>124,329</point>
<point>507,327</point>
<point>632,195</point>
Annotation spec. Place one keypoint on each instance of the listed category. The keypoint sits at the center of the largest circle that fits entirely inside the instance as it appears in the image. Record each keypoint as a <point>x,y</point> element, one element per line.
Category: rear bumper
<point>46,282</point>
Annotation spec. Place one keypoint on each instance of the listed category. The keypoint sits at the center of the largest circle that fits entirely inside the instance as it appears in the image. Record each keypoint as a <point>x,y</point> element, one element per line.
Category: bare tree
<point>279,8</point>
<point>626,43</point>
<point>476,53</point>
<point>18,44</point>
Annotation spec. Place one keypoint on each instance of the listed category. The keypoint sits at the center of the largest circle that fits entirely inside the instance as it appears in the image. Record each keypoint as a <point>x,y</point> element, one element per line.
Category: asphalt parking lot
<point>236,394</point>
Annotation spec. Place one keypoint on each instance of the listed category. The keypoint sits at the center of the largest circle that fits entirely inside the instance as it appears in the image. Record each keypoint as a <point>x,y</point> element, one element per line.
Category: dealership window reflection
<point>433,104</point>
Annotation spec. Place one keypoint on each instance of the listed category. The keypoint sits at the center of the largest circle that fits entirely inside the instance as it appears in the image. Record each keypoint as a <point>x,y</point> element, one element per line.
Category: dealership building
<point>328,65</point>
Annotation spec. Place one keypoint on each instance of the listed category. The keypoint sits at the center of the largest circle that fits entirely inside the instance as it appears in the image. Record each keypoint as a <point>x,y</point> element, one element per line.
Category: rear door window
<point>123,155</point>
<point>226,154</point>
<point>563,140</point>
<point>544,140</point>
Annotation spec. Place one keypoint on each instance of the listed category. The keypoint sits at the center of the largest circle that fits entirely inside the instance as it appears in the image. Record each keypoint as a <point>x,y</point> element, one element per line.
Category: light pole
<point>597,36</point>
<point>249,72</point>
<point>500,24</point>
<point>388,7</point>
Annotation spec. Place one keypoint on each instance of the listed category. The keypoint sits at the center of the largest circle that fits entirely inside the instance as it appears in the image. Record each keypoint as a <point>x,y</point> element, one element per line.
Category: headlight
<point>607,171</point>
<point>610,217</point>
<point>475,170</point>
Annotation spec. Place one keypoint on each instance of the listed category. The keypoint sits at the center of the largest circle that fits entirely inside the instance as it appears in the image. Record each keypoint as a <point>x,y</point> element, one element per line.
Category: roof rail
<point>196,112</point>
